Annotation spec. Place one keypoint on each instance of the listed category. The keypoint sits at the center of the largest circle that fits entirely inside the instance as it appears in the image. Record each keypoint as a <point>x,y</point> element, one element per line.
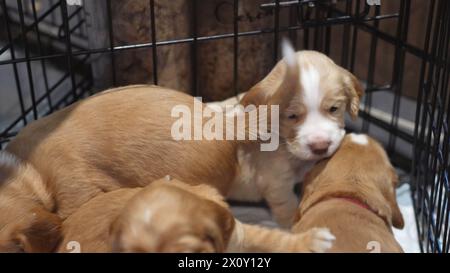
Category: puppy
<point>98,145</point>
<point>353,194</point>
<point>313,94</point>
<point>171,216</point>
<point>123,138</point>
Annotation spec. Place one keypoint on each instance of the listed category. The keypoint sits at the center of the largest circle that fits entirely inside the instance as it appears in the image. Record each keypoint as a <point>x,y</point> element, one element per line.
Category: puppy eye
<point>333,109</point>
<point>293,116</point>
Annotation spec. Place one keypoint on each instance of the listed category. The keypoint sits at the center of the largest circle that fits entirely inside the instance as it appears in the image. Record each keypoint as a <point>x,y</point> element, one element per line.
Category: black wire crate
<point>36,61</point>
<point>431,150</point>
<point>53,54</point>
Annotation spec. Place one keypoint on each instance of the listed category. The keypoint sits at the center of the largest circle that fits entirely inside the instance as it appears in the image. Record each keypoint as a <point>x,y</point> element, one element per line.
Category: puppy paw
<point>319,240</point>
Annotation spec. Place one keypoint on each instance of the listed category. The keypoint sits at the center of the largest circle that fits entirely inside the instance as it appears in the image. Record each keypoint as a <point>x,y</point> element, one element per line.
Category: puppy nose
<point>319,147</point>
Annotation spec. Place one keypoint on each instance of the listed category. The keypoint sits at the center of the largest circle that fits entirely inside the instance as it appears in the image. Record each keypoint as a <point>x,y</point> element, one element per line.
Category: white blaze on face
<point>316,126</point>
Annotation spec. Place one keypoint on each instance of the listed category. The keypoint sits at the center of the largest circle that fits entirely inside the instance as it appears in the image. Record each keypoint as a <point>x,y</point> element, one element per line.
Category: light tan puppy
<point>123,138</point>
<point>353,194</point>
<point>313,94</point>
<point>171,216</point>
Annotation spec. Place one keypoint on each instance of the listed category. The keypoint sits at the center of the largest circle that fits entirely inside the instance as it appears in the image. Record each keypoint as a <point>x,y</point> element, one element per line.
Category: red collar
<point>352,200</point>
<point>357,202</point>
<point>364,205</point>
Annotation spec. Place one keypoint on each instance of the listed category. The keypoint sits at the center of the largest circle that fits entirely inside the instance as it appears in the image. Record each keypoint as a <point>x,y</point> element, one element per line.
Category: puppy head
<point>360,169</point>
<point>169,216</point>
<point>313,93</point>
<point>25,223</point>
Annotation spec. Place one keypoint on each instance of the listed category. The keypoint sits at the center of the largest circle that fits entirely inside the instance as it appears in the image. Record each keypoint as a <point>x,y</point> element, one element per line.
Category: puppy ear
<point>297,216</point>
<point>115,232</point>
<point>226,223</point>
<point>42,234</point>
<point>397,217</point>
<point>354,91</point>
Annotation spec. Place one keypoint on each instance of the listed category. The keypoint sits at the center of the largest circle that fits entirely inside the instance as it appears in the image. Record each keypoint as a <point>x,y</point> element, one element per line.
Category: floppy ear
<point>115,233</point>
<point>354,91</point>
<point>397,217</point>
<point>42,234</point>
<point>225,222</point>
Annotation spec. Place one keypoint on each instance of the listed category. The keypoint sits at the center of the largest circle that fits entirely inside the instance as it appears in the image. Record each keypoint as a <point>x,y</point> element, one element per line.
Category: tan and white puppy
<point>353,194</point>
<point>313,94</point>
<point>171,216</point>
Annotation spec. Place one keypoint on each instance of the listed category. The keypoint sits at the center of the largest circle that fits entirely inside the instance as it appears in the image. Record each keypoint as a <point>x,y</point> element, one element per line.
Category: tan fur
<point>122,138</point>
<point>333,79</point>
<point>165,216</point>
<point>171,216</point>
<point>27,223</point>
<point>282,87</point>
<point>361,172</point>
<point>118,139</point>
<point>260,239</point>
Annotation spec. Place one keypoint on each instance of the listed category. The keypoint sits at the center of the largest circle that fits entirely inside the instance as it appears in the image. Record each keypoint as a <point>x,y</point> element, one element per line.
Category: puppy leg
<point>252,238</point>
<point>282,201</point>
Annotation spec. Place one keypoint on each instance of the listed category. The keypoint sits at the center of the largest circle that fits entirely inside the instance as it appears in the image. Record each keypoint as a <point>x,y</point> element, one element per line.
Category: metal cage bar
<point>431,189</point>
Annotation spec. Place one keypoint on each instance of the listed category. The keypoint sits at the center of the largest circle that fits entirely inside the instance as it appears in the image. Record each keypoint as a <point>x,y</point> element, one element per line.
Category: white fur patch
<point>316,125</point>
<point>8,160</point>
<point>310,79</point>
<point>359,139</point>
<point>288,52</point>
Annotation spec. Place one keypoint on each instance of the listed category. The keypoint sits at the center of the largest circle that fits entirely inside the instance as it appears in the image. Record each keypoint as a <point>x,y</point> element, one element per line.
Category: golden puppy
<point>98,145</point>
<point>171,216</point>
<point>353,194</point>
